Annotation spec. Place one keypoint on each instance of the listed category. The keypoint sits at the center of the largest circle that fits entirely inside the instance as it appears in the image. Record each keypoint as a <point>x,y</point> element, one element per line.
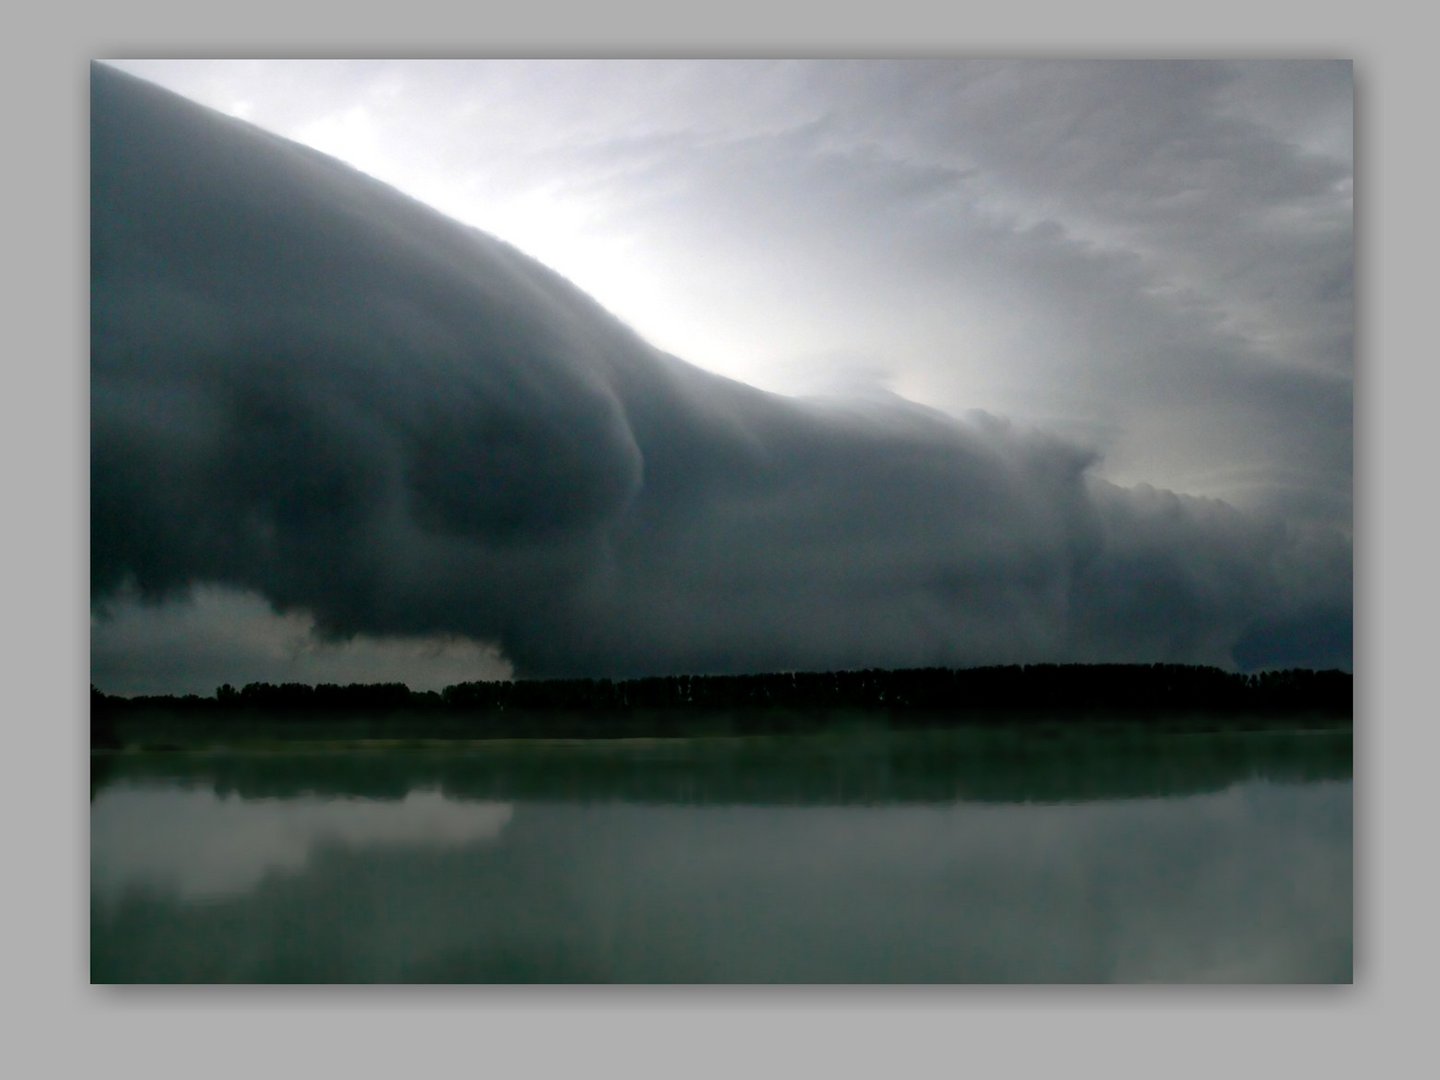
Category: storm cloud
<point>307,386</point>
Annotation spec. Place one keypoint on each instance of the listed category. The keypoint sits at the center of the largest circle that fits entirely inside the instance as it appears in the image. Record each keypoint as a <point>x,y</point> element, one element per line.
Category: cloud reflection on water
<point>203,845</point>
<point>1249,884</point>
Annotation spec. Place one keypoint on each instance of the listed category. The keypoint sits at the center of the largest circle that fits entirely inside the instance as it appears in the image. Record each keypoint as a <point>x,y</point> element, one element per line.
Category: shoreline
<point>1024,733</point>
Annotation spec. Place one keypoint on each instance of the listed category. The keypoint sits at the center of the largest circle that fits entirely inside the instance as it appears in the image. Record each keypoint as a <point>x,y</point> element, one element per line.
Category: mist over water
<point>400,868</point>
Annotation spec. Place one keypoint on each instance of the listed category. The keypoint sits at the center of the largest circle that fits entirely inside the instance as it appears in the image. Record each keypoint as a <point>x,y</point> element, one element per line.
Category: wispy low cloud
<point>309,387</point>
<point>212,635</point>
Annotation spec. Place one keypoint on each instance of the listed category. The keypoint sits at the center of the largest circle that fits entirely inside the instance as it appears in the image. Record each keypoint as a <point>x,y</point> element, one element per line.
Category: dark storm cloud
<point>308,386</point>
<point>1152,257</point>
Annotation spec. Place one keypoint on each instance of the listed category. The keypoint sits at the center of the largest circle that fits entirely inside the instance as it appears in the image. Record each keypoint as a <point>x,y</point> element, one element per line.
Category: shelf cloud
<point>309,387</point>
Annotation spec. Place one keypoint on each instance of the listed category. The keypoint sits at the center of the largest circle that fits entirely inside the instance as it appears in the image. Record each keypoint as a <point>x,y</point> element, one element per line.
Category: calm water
<point>862,859</point>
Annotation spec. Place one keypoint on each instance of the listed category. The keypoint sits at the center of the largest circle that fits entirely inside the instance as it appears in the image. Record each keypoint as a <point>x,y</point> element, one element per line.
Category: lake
<point>1093,855</point>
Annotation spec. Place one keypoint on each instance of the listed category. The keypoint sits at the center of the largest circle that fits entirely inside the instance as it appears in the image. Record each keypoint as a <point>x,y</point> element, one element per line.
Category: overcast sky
<point>1049,293</point>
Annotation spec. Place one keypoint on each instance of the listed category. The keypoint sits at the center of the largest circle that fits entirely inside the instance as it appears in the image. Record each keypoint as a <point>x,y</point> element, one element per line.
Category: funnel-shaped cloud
<point>308,386</point>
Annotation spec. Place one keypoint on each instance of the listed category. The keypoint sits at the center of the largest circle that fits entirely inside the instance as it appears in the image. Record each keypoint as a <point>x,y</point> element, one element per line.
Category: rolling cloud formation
<point>308,386</point>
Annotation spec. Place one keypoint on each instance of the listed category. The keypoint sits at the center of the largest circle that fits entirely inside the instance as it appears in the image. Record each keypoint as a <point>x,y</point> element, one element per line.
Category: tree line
<point>1002,689</point>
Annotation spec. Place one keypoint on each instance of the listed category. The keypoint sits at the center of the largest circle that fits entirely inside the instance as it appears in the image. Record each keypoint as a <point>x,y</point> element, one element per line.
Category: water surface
<point>860,859</point>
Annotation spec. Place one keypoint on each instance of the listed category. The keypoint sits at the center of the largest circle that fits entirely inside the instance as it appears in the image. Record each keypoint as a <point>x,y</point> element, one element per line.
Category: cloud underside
<point>307,386</point>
